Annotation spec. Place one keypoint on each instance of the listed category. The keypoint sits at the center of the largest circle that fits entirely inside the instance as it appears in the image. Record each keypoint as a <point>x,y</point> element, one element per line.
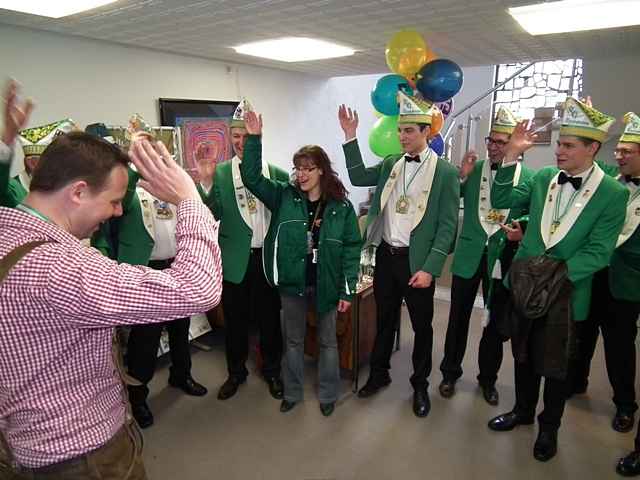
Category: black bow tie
<point>576,182</point>
<point>409,158</point>
<point>630,179</point>
<point>494,166</point>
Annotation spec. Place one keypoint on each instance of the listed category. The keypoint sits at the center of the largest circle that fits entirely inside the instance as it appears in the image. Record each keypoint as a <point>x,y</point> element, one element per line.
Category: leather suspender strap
<point>9,261</point>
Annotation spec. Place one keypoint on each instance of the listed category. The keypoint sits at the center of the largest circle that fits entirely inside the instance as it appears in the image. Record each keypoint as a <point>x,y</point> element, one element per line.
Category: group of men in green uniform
<point>582,213</point>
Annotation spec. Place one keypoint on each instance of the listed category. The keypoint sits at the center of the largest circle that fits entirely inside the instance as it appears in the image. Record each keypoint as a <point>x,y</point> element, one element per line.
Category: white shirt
<point>164,230</point>
<point>567,189</point>
<point>397,226</point>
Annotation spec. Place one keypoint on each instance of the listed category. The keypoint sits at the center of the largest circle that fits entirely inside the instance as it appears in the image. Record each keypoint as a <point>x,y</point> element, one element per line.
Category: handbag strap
<point>9,261</point>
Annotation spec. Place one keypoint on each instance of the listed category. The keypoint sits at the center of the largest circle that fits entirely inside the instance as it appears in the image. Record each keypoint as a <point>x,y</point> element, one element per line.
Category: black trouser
<point>617,319</point>
<point>528,390</point>
<point>490,351</point>
<point>463,295</point>
<point>390,286</point>
<point>142,349</point>
<point>252,298</point>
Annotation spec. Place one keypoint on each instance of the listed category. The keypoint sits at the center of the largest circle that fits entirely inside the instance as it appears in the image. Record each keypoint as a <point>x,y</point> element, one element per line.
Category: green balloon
<point>383,138</point>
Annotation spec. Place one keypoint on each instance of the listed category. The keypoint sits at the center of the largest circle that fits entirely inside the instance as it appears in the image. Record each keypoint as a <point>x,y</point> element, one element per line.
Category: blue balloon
<point>437,144</point>
<point>385,96</point>
<point>439,80</point>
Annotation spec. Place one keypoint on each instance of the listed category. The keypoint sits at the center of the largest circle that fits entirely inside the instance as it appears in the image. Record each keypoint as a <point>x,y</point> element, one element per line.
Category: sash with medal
<point>404,201</point>
<point>163,210</point>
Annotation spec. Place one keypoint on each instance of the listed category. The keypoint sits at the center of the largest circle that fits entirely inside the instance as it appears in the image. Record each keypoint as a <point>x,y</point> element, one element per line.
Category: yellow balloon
<point>407,52</point>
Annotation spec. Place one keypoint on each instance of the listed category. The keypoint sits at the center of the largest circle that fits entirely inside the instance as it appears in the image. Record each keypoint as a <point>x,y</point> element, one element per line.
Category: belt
<point>256,251</point>
<point>394,250</point>
<point>160,264</point>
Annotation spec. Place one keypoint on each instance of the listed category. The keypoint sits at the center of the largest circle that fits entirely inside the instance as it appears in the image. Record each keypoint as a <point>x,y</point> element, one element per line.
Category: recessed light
<point>294,49</point>
<point>576,15</point>
<point>52,8</point>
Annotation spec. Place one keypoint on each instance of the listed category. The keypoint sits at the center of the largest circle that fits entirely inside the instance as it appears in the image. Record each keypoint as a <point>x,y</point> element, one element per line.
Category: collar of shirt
<point>14,218</point>
<point>582,175</point>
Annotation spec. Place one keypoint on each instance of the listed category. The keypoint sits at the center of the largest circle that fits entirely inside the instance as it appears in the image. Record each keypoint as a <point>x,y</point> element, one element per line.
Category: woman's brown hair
<point>332,187</point>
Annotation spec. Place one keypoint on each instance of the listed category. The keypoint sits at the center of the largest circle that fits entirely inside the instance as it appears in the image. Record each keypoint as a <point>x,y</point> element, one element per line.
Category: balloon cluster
<point>415,67</point>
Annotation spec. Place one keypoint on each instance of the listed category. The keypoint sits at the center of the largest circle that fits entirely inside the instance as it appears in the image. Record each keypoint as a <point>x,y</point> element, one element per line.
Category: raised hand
<point>16,116</point>
<point>513,231</point>
<point>522,139</point>
<point>421,279</point>
<point>163,177</point>
<point>348,121</point>
<point>468,163</point>
<point>205,163</point>
<point>253,123</point>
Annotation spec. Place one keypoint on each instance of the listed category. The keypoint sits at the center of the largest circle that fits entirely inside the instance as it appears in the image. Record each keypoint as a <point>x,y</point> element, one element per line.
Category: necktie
<point>494,166</point>
<point>563,178</point>
<point>630,179</point>
<point>409,158</point>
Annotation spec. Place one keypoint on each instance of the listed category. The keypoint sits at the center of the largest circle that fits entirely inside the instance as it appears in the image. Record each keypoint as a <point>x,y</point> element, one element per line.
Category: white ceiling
<point>470,32</point>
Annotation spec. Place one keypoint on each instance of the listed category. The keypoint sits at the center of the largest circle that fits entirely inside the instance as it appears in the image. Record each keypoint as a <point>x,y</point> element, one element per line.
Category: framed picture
<point>200,121</point>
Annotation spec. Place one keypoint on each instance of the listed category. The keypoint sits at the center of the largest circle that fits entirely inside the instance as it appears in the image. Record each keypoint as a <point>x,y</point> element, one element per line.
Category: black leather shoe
<point>286,405</point>
<point>372,387</point>
<point>629,466</point>
<point>490,394</point>
<point>327,408</point>
<point>623,422</point>
<point>508,421</point>
<point>142,414</point>
<point>189,386</point>
<point>276,389</point>
<point>546,445</point>
<point>229,388</point>
<point>578,389</point>
<point>447,388</point>
<point>421,403</point>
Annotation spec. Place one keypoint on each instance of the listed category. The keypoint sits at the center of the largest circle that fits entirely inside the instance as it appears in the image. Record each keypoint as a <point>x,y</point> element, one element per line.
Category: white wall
<point>92,81</point>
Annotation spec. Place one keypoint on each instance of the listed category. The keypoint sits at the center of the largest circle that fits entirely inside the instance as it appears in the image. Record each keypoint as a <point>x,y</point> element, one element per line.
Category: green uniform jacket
<point>587,247</point>
<point>235,235</point>
<point>285,247</point>
<point>624,268</point>
<point>473,237</point>
<point>433,238</point>
<point>12,192</point>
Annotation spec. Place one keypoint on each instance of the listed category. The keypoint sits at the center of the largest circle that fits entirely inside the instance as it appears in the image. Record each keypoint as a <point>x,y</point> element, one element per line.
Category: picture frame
<point>200,121</point>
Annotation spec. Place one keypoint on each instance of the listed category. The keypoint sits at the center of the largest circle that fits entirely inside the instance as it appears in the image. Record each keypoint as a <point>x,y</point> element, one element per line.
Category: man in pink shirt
<point>63,407</point>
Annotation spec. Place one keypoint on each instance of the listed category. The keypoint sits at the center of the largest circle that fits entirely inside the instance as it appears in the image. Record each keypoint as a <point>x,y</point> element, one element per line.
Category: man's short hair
<point>76,156</point>
<point>422,126</point>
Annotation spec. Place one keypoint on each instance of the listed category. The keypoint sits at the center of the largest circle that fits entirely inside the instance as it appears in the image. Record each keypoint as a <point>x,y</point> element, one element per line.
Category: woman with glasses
<point>311,252</point>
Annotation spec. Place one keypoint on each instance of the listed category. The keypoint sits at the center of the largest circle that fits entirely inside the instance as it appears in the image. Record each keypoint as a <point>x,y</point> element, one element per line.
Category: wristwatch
<point>6,152</point>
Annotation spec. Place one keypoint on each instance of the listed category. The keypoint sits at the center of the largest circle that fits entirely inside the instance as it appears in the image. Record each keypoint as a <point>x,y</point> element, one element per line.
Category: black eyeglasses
<point>500,143</point>
<point>306,170</point>
<point>624,152</point>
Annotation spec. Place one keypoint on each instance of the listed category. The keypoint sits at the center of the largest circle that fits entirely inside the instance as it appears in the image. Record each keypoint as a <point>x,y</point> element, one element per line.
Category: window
<point>542,85</point>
